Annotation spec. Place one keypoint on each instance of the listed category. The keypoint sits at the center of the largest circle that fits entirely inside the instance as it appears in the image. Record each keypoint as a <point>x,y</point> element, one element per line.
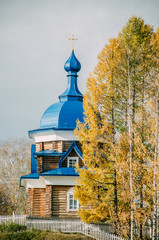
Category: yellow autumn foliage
<point>125,71</point>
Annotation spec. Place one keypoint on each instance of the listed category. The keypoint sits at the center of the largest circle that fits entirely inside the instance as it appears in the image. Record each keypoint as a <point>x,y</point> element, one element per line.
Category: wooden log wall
<point>48,145</point>
<point>53,145</point>
<point>36,202</point>
<point>60,146</point>
<point>39,164</point>
<point>66,145</point>
<point>38,147</point>
<point>39,202</point>
<point>47,163</point>
<point>59,203</point>
<point>50,162</point>
<point>29,201</point>
<point>48,201</point>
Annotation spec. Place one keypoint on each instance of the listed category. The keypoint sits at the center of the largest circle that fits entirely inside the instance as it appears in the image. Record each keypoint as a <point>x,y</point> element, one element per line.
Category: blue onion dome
<point>72,64</point>
<point>65,113</point>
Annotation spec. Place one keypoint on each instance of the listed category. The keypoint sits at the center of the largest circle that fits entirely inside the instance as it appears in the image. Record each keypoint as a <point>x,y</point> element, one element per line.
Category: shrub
<point>13,227</point>
<point>17,235</point>
<point>2,227</point>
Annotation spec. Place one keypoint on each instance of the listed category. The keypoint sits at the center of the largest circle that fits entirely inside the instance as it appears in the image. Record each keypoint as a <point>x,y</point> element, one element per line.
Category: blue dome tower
<point>64,114</point>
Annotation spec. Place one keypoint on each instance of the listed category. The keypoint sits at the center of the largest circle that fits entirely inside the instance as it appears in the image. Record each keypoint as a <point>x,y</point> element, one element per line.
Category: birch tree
<point>135,39</point>
<point>5,203</point>
<point>15,162</point>
<point>154,104</point>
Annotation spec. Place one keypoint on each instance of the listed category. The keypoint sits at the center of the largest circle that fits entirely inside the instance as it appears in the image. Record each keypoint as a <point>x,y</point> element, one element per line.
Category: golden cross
<point>72,41</point>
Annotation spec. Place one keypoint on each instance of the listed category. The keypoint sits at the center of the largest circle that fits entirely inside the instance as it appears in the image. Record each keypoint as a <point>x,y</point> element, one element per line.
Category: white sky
<point>34,47</point>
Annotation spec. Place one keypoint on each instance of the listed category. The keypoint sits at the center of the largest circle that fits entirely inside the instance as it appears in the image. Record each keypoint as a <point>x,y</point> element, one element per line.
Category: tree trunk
<point>130,150</point>
<point>141,161</point>
<point>155,173</point>
<point>115,177</point>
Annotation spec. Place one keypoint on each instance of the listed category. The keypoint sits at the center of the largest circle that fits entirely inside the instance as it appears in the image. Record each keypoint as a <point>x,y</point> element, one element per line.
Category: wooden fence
<point>66,226</point>
<point>20,219</point>
<point>73,227</point>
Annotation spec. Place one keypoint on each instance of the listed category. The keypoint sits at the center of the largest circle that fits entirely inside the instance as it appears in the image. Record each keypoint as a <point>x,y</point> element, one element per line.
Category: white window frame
<point>72,158</point>
<point>73,208</point>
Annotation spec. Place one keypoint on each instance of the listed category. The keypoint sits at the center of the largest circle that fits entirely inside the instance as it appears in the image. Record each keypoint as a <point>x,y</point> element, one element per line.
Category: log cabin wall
<point>59,203</point>
<point>39,202</point>
<point>48,201</point>
<point>48,145</point>
<point>47,163</point>
<point>66,145</point>
<point>50,162</point>
<point>52,145</point>
<point>36,202</point>
<point>29,201</point>
<point>60,146</point>
<point>39,164</point>
<point>38,147</point>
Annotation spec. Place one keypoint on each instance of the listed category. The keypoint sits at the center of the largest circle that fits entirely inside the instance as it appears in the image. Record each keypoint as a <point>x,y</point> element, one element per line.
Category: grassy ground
<point>17,232</point>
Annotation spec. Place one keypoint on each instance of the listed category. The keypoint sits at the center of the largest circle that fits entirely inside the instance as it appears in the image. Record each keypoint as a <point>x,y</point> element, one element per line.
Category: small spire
<point>72,41</point>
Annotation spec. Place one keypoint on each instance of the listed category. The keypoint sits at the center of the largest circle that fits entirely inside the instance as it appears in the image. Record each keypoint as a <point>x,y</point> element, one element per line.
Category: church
<point>55,153</point>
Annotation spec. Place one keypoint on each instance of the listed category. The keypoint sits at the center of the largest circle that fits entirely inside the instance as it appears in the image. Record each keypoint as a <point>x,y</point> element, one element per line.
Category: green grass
<point>17,232</point>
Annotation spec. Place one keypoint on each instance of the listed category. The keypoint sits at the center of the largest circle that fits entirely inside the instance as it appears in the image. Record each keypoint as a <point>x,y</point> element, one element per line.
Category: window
<point>72,203</point>
<point>72,161</point>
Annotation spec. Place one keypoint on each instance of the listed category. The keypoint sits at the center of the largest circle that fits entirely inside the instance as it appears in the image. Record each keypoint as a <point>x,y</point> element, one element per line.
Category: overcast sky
<point>34,47</point>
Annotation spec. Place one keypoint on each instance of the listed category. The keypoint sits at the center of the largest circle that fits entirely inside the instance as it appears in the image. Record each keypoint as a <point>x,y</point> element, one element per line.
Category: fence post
<point>13,217</point>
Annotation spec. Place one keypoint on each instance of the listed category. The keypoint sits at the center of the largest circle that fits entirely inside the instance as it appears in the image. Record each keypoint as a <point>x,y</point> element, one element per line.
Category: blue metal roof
<point>64,114</point>
<point>64,171</point>
<point>30,176</point>
<point>48,153</point>
<point>73,146</point>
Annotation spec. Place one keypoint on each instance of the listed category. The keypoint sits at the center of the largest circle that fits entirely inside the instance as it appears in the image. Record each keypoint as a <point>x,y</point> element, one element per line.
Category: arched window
<point>71,202</point>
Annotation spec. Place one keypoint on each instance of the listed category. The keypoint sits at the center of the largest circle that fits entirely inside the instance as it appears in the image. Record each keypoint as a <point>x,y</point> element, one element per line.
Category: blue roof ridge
<point>63,171</point>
